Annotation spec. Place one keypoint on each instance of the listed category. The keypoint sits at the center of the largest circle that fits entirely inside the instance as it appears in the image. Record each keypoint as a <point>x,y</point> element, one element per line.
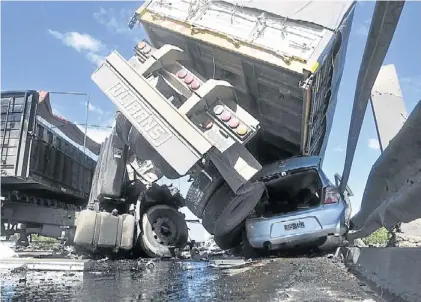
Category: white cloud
<point>339,149</point>
<point>362,29</point>
<point>100,132</point>
<point>97,134</point>
<point>118,22</point>
<point>412,83</point>
<point>78,41</point>
<point>373,143</point>
<point>95,58</point>
<point>84,43</point>
<point>93,108</point>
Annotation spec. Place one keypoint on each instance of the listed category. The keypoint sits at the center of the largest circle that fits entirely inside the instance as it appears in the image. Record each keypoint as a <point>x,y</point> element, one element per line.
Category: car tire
<point>162,227</point>
<point>225,210</point>
<point>331,243</point>
<point>230,240</point>
<point>201,191</point>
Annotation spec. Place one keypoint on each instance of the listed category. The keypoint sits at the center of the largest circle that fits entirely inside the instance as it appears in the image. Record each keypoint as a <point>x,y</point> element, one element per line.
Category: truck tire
<point>201,190</point>
<point>248,251</point>
<point>226,210</point>
<point>162,228</point>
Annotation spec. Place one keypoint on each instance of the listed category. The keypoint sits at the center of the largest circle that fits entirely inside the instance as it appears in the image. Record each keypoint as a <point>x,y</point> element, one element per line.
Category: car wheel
<point>230,240</point>
<point>226,210</point>
<point>331,243</point>
<point>201,190</point>
<point>162,228</point>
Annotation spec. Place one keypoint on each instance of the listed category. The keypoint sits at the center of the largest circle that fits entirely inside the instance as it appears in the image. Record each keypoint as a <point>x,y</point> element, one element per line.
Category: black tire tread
<point>216,205</point>
<point>231,239</point>
<point>200,191</point>
<point>154,249</point>
<point>236,210</point>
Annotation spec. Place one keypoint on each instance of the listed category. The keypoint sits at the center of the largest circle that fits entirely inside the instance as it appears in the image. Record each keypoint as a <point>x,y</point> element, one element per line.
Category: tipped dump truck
<point>223,90</point>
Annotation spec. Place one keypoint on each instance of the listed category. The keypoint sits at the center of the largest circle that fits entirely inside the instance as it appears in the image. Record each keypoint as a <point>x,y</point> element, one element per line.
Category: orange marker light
<point>242,130</point>
<point>142,45</point>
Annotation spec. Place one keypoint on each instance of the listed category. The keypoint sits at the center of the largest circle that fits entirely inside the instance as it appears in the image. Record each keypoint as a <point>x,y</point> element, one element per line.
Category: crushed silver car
<point>301,207</point>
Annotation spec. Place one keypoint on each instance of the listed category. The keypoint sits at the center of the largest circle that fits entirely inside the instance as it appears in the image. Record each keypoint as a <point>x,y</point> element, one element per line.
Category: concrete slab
<point>396,271</point>
<point>46,264</point>
<point>229,263</point>
<point>34,254</point>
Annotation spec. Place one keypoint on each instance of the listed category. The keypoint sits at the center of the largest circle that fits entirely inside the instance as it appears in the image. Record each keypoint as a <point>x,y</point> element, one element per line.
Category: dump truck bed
<point>285,59</point>
<point>36,157</point>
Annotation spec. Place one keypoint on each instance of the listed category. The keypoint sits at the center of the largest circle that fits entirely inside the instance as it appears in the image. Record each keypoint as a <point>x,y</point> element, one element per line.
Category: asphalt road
<point>285,279</point>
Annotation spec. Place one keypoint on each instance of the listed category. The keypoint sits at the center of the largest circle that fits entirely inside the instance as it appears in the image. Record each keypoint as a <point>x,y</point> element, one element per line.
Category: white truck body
<point>285,60</point>
<point>237,67</point>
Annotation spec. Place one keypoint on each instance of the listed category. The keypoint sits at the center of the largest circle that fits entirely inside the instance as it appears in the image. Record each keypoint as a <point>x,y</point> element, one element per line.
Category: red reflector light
<point>181,74</point>
<point>188,79</point>
<point>195,84</point>
<point>226,116</point>
<point>331,195</point>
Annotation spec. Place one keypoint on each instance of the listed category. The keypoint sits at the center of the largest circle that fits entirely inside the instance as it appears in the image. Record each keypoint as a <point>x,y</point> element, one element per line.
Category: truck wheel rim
<point>165,231</point>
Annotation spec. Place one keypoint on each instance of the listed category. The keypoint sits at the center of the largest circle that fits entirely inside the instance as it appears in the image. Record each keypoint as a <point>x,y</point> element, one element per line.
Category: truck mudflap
<point>182,116</point>
<point>101,230</point>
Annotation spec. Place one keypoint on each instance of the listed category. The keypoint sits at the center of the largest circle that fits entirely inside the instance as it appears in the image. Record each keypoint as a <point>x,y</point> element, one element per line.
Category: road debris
<point>45,264</point>
<point>6,251</point>
<point>229,263</point>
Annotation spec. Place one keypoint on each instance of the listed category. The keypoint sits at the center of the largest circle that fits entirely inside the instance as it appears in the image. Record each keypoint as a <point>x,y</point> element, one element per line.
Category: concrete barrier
<point>395,272</point>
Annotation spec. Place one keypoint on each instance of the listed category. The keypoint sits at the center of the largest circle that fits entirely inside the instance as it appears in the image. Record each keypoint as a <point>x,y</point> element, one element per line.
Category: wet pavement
<point>283,279</point>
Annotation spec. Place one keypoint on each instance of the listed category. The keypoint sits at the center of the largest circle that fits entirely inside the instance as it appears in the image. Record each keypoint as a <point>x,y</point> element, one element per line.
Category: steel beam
<point>384,22</point>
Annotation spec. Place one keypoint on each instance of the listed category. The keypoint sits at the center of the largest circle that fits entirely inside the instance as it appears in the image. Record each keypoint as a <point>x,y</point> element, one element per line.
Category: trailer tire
<point>201,191</point>
<point>225,210</point>
<point>162,227</point>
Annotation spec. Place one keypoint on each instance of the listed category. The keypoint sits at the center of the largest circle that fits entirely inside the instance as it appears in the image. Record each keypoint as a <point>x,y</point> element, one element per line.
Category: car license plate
<point>294,226</point>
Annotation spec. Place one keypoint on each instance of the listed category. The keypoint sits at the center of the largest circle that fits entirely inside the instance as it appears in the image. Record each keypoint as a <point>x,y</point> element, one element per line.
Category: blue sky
<point>56,46</point>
